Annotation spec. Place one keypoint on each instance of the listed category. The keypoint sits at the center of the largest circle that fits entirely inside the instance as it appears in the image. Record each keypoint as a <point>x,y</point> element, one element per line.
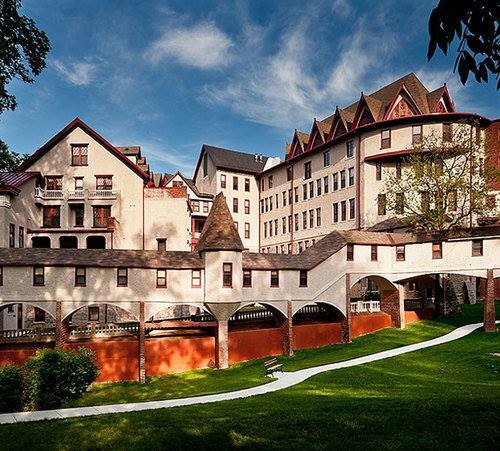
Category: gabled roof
<point>299,143</point>
<point>219,232</point>
<point>75,123</point>
<point>130,150</point>
<point>12,181</point>
<point>435,96</point>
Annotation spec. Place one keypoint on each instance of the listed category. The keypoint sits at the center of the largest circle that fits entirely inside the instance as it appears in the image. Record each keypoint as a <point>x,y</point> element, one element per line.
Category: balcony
<point>76,195</point>
<point>49,194</point>
<point>103,194</point>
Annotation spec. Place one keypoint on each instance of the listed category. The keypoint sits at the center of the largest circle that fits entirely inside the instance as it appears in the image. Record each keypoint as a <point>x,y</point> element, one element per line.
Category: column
<point>221,345</point>
<point>390,303</point>
<point>346,325</point>
<point>288,331</point>
<point>489,303</point>
<point>62,326</point>
<point>142,345</point>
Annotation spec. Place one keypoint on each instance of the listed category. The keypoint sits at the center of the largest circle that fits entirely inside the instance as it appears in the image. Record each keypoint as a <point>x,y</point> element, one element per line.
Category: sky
<point>172,75</point>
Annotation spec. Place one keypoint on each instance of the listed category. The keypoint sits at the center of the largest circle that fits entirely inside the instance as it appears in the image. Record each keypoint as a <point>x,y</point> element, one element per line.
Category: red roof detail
<point>12,181</point>
<point>397,153</point>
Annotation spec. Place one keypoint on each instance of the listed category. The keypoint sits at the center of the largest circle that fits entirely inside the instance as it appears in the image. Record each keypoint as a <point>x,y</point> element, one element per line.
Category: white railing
<point>103,194</point>
<point>104,329</point>
<point>27,334</point>
<point>365,306</point>
<point>78,194</point>
<point>49,194</point>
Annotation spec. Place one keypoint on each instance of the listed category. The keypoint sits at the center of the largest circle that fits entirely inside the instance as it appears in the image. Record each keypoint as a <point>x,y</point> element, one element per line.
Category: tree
<point>23,48</point>
<point>476,24</point>
<point>443,184</point>
<point>9,161</point>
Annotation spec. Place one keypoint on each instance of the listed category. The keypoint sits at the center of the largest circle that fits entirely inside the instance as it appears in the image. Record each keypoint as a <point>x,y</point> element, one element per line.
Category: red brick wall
<point>316,335</point>
<point>254,344</point>
<point>482,288</point>
<point>364,324</point>
<point>176,354</point>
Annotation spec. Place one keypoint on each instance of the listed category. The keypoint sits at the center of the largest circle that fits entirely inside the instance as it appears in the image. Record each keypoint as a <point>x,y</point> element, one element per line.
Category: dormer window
<point>79,154</point>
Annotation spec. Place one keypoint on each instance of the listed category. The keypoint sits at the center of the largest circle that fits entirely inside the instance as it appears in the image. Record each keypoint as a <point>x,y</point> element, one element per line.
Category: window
<point>227,275</point>
<point>223,181</point>
<point>374,253</point>
<point>247,278</point>
<point>307,170</point>
<point>477,248</point>
<point>342,179</point>
<point>318,217</point>
<point>349,145</point>
<point>262,206</point>
<point>93,313</point>
<point>104,182</point>
<point>283,195</point>
<point>304,220</point>
<point>416,134</point>
<point>343,210</point>
<point>335,212</point>
<point>12,235</point>
<point>304,192</point>
<point>38,276</point>
<point>78,183</point>
<point>265,230</point>
<point>276,227</point>
<point>398,169</point>
<point>247,207</point>
<point>335,181</point>
<point>311,190</point>
<point>352,208</point>
<point>79,154</point>
<point>289,248</point>
<point>311,219</point>
<point>235,205</point>
<point>122,277</point>
<point>290,196</point>
<point>351,176</point>
<point>39,315</point>
<point>262,184</point>
<point>101,215</point>
<point>247,185</point>
<point>303,278</point>
<point>205,207</point>
<point>296,221</point>
<point>437,250</point>
<point>326,158</point>
<point>80,277</point>
<point>400,203</point>
<point>275,278</point>
<point>196,278</point>
<point>400,253</point>
<point>301,248</point>
<point>247,230</point>
<point>161,278</point>
<point>195,205</point>
<point>289,173</point>
<point>378,171</point>
<point>235,183</point>
<point>162,244</point>
<point>21,236</point>
<point>350,252</point>
<point>318,187</point>
<point>270,182</point>
<point>289,223</point>
<point>296,194</point>
<point>447,132</point>
<point>381,204</point>
<point>53,183</point>
<point>271,203</point>
<point>385,139</point>
<point>325,184</point>
<point>277,200</point>
<point>51,216</point>
<point>283,224</point>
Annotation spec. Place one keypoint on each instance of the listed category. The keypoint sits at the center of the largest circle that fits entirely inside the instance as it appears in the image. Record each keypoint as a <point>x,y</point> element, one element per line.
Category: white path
<point>284,380</point>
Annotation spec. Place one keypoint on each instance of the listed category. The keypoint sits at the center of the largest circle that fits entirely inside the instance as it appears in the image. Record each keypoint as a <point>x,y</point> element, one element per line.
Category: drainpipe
<point>358,183</point>
<point>291,211</point>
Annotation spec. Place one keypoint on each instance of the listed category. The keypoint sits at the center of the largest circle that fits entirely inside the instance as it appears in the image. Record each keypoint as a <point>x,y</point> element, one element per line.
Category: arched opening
<point>366,294</point>
<point>256,316</point>
<point>317,312</point>
<point>42,242</point>
<point>24,316</point>
<point>68,242</point>
<point>96,242</point>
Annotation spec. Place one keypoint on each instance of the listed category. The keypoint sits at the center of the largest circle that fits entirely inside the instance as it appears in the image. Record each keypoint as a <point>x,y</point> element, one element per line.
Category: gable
<point>365,117</point>
<point>402,108</point>
<point>339,129</point>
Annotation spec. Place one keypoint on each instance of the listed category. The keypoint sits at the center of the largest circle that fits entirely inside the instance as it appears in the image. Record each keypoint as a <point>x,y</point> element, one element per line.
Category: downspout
<point>143,217</point>
<point>292,224</point>
<point>358,183</point>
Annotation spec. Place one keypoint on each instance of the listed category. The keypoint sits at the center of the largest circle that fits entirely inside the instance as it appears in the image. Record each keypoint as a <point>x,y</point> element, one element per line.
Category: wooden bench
<point>272,365</point>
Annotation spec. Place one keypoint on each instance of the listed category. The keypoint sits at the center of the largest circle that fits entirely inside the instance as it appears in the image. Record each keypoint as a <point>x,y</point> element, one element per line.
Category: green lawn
<point>445,397</point>
<point>249,374</point>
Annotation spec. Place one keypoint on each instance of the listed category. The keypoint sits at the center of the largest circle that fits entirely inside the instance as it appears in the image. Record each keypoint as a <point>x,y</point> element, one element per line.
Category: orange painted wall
<point>364,324</point>
<point>316,335</point>
<point>417,315</point>
<point>176,354</point>
<point>254,344</point>
<point>18,354</point>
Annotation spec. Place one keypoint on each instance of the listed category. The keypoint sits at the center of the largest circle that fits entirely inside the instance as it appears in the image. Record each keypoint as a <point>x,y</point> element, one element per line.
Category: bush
<point>11,389</point>
<point>56,376</point>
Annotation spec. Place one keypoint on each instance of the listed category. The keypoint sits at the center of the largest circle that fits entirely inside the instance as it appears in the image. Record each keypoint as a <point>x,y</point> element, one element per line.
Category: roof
<point>77,122</point>
<point>129,150</point>
<point>395,154</point>
<point>232,160</point>
<point>12,181</point>
<point>219,232</point>
<point>105,258</point>
<point>388,225</point>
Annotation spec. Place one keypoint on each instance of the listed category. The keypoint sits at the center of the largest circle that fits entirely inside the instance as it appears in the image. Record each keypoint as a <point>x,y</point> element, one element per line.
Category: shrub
<point>11,389</point>
<point>56,376</point>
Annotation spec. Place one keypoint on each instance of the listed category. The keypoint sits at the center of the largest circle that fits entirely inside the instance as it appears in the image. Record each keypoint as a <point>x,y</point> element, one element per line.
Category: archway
<point>256,316</point>
<point>68,242</point>
<point>24,316</point>
<point>96,242</point>
<point>41,242</point>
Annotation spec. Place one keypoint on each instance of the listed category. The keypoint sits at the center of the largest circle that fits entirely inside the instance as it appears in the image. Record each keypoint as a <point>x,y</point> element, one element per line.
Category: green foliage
<point>23,48</point>
<point>56,376</point>
<point>476,24</point>
<point>11,388</point>
<point>10,161</point>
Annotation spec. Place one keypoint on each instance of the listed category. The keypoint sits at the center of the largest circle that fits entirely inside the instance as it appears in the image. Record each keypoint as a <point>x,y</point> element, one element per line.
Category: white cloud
<point>341,8</point>
<point>203,46</point>
<point>81,73</point>
<point>433,79</point>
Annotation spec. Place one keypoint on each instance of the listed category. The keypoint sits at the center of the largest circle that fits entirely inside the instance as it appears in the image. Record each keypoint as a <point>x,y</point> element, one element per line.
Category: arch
<point>157,308</point>
<point>385,282</point>
<point>272,307</point>
<point>69,315</point>
<point>481,273</point>
<point>96,242</point>
<point>36,305</point>
<point>266,316</point>
<point>328,303</point>
<point>41,242</point>
<point>68,242</point>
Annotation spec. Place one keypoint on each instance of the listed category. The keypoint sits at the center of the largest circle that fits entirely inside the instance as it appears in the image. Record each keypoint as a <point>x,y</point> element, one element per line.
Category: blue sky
<point>172,75</point>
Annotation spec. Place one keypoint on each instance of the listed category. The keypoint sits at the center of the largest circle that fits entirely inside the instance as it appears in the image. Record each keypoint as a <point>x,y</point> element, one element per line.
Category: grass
<point>249,374</point>
<point>445,397</point>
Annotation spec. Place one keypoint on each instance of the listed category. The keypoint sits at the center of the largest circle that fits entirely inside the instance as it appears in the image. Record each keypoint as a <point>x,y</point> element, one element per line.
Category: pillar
<point>392,303</point>
<point>288,331</point>
<point>346,324</point>
<point>221,345</point>
<point>142,345</point>
<point>62,326</point>
<point>489,303</point>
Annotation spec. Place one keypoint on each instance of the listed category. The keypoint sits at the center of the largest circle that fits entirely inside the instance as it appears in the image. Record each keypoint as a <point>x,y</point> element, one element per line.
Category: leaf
<point>474,43</point>
<point>431,49</point>
<point>463,69</point>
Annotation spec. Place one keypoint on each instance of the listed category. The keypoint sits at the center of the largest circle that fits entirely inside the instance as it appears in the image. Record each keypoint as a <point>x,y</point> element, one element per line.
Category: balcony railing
<point>365,306</point>
<point>103,194</point>
<point>81,195</point>
<point>76,195</point>
<point>49,194</point>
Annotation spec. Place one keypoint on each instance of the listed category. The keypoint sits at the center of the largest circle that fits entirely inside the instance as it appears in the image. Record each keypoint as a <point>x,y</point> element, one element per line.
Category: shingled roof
<point>12,181</point>
<point>219,232</point>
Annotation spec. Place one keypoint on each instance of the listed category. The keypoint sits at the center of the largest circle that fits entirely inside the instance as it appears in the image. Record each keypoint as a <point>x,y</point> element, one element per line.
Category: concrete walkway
<point>284,380</point>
